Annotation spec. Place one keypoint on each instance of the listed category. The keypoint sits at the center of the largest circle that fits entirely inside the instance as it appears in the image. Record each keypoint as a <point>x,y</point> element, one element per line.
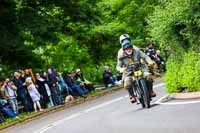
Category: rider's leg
<point>128,85</point>
<point>149,83</point>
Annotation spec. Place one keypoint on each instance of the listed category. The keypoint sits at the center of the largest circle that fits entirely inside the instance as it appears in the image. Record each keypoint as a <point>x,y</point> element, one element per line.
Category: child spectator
<point>33,92</point>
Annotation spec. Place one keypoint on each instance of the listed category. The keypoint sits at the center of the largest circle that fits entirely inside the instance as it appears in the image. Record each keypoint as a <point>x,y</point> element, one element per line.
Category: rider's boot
<point>152,94</point>
<point>133,99</point>
<point>132,95</point>
<point>150,88</point>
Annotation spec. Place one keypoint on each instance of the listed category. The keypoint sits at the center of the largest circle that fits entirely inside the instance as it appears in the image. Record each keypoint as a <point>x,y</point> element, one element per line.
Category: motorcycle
<point>139,85</point>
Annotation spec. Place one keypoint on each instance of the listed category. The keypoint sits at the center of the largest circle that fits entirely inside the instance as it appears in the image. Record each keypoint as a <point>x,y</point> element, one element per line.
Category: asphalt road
<point>114,113</point>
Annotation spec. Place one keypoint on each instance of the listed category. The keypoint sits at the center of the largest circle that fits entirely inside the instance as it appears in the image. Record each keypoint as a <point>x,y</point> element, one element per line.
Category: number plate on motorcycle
<point>138,73</point>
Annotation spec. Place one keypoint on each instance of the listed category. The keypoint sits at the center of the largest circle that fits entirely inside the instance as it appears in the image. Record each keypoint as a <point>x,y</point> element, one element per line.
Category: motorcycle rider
<point>127,55</point>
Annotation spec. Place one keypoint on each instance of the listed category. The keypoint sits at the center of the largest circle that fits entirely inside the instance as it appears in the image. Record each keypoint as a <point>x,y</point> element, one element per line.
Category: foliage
<point>175,23</point>
<point>183,73</point>
<point>84,34</point>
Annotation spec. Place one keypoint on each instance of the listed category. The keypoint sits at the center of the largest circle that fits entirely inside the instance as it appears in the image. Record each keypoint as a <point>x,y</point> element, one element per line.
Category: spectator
<point>81,79</point>
<point>64,87</point>
<point>159,61</point>
<point>10,94</point>
<point>26,74</point>
<point>45,77</point>
<point>21,91</point>
<point>53,84</point>
<point>6,110</point>
<point>108,78</point>
<point>35,95</point>
<point>40,84</point>
<point>150,51</point>
<point>72,84</point>
<point>79,84</point>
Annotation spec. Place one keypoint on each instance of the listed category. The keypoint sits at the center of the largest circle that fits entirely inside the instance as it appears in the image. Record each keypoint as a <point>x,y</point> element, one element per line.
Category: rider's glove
<point>122,69</point>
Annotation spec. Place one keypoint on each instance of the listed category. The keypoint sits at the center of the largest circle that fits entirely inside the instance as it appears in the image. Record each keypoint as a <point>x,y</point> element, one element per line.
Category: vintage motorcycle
<point>139,85</point>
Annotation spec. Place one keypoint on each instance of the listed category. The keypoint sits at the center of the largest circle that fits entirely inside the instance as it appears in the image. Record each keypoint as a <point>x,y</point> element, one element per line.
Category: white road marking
<point>179,103</point>
<point>159,101</point>
<point>104,104</point>
<point>45,128</point>
<point>158,85</point>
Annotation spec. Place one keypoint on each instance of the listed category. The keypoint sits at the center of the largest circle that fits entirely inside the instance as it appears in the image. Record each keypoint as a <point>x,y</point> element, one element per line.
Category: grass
<point>20,117</point>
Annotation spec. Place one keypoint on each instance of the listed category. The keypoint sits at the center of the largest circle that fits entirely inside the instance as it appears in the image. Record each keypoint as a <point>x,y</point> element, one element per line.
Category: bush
<point>183,74</point>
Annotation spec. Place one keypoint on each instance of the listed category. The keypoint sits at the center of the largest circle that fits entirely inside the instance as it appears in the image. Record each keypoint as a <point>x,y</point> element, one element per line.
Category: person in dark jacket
<point>72,84</point>
<point>21,91</point>
<point>150,51</point>
<point>53,84</point>
<point>40,84</point>
<point>82,80</point>
<point>108,78</point>
<point>160,61</point>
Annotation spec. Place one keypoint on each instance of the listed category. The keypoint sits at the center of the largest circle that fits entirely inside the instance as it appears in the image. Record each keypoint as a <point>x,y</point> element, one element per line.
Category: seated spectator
<point>73,85</point>
<point>9,93</point>
<point>81,79</point>
<point>65,89</point>
<point>119,76</point>
<point>6,110</point>
<point>35,95</point>
<point>159,61</point>
<point>108,78</point>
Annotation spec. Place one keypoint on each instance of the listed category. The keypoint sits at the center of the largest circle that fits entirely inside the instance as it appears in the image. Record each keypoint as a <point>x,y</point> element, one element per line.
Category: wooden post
<point>32,75</point>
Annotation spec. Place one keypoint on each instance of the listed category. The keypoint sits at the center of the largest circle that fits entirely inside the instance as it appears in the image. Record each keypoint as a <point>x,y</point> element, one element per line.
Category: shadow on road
<point>140,108</point>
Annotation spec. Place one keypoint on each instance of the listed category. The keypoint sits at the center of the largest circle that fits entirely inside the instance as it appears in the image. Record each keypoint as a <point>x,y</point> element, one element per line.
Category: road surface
<point>114,113</point>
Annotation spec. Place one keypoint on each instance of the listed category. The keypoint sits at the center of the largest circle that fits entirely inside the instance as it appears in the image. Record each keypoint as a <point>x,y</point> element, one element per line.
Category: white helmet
<point>124,37</point>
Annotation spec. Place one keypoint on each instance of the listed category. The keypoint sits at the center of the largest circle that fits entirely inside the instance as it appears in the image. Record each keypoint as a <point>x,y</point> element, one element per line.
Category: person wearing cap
<point>69,80</point>
<point>127,55</point>
<point>82,80</point>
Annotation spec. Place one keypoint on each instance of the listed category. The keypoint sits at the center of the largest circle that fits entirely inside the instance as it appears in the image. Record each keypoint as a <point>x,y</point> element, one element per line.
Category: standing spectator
<point>21,91</point>
<point>150,51</point>
<point>108,78</point>
<point>10,94</point>
<point>33,92</point>
<point>40,84</point>
<point>45,77</point>
<point>72,84</point>
<point>81,79</point>
<point>26,74</point>
<point>53,84</point>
